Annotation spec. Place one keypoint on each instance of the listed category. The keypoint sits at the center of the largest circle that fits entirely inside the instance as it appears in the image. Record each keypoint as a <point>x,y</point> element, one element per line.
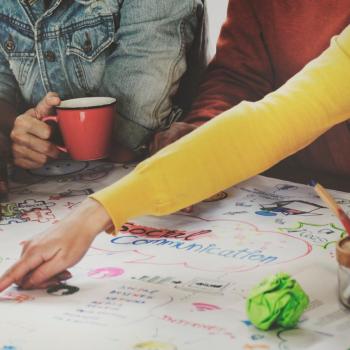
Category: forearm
<point>240,143</point>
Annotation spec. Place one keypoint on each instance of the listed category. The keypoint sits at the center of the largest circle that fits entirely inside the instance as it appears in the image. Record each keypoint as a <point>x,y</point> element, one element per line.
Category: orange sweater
<point>262,45</point>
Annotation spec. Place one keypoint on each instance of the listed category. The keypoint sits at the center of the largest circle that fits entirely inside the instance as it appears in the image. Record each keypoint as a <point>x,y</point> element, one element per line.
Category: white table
<point>178,282</point>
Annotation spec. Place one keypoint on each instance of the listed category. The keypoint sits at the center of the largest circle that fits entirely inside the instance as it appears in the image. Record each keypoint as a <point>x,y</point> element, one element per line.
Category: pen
<point>332,205</point>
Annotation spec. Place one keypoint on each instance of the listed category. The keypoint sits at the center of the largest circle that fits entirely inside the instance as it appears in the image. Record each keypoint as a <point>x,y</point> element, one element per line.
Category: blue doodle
<point>256,337</point>
<point>289,207</point>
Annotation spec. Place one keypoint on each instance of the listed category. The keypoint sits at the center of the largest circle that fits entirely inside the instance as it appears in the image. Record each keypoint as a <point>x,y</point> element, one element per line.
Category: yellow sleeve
<point>239,143</point>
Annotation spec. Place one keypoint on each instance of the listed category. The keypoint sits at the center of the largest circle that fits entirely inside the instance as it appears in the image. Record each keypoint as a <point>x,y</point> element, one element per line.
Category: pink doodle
<point>39,215</point>
<point>106,272</point>
<point>206,307</point>
<point>211,329</point>
<point>17,297</point>
<point>151,232</point>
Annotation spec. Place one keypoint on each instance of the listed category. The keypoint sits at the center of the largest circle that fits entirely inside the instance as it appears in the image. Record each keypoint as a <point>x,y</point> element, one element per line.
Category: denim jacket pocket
<point>87,48</point>
<point>17,43</point>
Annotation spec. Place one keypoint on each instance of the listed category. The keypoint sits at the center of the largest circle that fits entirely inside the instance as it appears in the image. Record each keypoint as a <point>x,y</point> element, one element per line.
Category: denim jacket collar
<point>33,21</point>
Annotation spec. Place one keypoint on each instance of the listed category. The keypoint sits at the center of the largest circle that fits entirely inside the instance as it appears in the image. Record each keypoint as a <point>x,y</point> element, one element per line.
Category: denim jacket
<point>134,50</point>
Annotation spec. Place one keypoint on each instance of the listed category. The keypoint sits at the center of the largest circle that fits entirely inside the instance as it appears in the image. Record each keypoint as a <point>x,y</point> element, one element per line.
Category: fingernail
<point>65,275</point>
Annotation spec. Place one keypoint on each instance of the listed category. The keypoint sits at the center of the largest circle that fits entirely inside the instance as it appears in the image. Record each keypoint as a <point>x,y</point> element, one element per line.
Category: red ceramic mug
<point>86,125</point>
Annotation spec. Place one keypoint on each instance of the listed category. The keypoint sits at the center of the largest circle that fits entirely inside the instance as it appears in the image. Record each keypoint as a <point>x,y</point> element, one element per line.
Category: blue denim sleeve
<point>145,69</point>
<point>9,90</point>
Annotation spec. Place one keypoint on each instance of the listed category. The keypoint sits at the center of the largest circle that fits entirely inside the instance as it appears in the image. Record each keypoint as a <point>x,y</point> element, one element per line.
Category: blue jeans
<point>134,50</point>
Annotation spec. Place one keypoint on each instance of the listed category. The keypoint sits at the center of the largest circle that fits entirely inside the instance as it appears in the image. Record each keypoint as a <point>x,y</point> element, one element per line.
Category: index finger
<point>43,273</point>
<point>27,123</point>
<point>17,271</point>
<point>57,279</point>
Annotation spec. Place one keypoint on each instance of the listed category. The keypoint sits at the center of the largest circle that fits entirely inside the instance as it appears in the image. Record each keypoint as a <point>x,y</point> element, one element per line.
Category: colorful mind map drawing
<point>171,283</point>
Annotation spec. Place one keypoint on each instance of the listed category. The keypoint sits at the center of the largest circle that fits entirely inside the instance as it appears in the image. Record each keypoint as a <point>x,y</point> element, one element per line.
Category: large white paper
<point>177,282</point>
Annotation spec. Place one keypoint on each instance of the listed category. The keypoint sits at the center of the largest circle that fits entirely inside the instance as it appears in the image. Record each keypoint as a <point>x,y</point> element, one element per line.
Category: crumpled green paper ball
<point>278,300</point>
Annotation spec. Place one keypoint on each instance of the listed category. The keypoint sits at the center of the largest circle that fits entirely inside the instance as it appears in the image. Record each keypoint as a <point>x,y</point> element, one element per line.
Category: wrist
<point>91,217</point>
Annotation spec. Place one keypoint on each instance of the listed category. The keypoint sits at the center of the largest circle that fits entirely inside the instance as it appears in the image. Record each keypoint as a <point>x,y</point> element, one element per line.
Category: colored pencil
<point>332,205</point>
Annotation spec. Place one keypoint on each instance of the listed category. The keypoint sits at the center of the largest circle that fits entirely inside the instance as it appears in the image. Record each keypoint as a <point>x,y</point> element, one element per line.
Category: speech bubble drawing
<point>233,246</point>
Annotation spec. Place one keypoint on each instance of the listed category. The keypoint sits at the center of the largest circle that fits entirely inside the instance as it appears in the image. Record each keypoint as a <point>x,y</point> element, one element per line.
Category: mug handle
<point>52,121</point>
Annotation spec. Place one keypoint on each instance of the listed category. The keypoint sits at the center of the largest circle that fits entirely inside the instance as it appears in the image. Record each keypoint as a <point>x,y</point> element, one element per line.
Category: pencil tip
<point>313,183</point>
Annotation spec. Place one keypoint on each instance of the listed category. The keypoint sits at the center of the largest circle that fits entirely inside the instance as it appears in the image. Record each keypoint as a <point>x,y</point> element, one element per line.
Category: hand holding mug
<point>30,136</point>
<point>86,126</point>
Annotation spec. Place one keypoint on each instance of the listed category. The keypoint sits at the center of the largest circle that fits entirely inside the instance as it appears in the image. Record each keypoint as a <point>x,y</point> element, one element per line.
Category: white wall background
<point>217,14</point>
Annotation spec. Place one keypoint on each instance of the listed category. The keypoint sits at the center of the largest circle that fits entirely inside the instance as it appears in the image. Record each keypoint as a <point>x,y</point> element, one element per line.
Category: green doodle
<point>319,235</point>
<point>9,210</point>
